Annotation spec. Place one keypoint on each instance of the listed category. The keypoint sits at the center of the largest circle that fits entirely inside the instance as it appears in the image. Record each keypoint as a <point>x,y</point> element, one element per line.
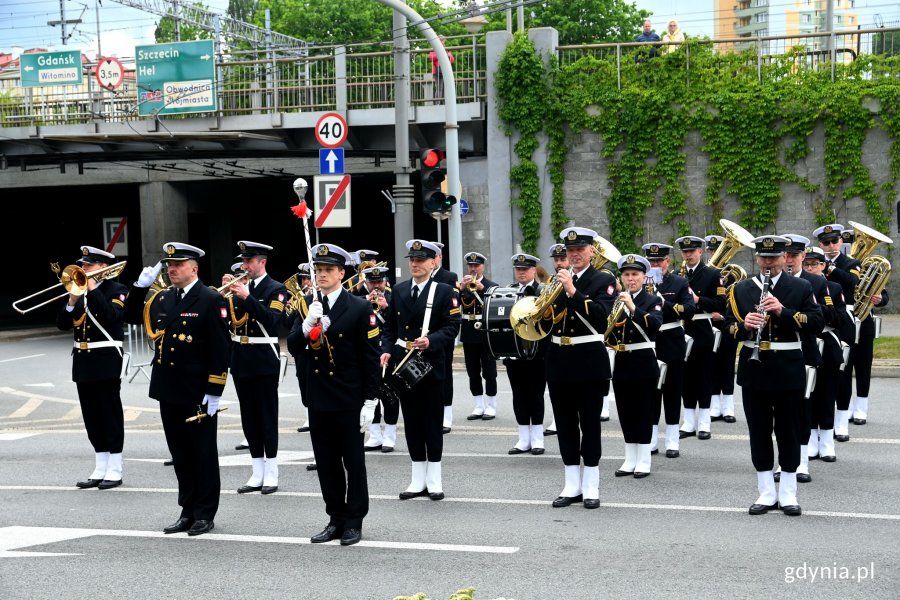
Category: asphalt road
<point>684,532</point>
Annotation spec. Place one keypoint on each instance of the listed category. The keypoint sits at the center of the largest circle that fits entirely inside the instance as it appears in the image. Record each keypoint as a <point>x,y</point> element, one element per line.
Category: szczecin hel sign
<point>176,78</point>
<point>51,68</point>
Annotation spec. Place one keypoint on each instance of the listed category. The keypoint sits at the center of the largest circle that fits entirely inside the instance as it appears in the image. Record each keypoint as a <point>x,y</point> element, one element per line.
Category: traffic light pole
<point>451,128</point>
<point>404,195</point>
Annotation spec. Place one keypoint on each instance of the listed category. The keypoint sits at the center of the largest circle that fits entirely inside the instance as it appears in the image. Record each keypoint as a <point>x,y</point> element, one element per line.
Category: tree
<point>242,10</point>
<point>582,21</point>
<point>886,44</point>
<point>165,30</point>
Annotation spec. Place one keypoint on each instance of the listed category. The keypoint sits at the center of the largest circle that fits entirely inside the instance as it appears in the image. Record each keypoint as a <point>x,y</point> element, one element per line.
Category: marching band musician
<point>527,378</point>
<point>339,337</point>
<point>450,278</point>
<point>635,371</point>
<point>671,346</point>
<point>412,301</point>
<point>362,259</point>
<point>478,363</point>
<point>721,406</point>
<point>96,318</point>
<point>768,314</point>
<point>844,270</point>
<point>560,262</point>
<point>190,367</point>
<point>578,366</point>
<point>709,296</point>
<point>257,311</point>
<point>834,310</point>
<point>379,294</point>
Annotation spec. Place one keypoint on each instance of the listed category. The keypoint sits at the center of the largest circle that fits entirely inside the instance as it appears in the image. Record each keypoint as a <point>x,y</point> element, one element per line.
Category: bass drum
<point>501,340</point>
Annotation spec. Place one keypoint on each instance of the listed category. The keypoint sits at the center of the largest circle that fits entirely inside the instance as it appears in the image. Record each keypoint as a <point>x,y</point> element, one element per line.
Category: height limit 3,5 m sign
<point>332,198</point>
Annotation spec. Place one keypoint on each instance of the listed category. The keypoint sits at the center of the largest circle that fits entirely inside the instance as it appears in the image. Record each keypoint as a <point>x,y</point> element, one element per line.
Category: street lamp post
<point>474,25</point>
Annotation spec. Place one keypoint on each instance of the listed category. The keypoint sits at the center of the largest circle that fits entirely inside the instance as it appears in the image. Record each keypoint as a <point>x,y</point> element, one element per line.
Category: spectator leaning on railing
<point>674,36</point>
<point>647,35</point>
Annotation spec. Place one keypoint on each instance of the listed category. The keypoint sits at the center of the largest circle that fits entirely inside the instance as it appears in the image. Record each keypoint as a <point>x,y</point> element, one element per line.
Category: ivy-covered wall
<point>695,136</point>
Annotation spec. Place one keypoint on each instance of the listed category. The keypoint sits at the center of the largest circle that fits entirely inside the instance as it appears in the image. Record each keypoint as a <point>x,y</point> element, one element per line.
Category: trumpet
<point>358,276</point>
<point>226,288</point>
<point>74,279</point>
<point>375,295</point>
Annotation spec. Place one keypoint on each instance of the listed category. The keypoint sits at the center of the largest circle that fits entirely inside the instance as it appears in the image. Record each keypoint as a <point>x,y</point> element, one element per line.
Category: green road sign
<point>176,78</point>
<point>51,68</point>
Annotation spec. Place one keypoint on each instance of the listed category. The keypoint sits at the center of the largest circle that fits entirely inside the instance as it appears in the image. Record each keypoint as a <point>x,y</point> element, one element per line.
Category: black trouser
<point>423,419</point>
<point>447,383</point>
<point>723,371</point>
<point>697,390</point>
<point>196,459</point>
<point>528,381</point>
<point>823,398</point>
<point>779,411</point>
<point>479,365</point>
<point>341,465</point>
<point>862,365</point>
<point>576,406</point>
<point>391,413</point>
<point>101,408</point>
<point>669,396</point>
<point>258,397</point>
<point>634,402</point>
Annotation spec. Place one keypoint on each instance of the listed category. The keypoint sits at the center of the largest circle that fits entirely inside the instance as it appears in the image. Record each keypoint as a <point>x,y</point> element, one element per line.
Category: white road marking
<point>285,457</point>
<point>50,385</point>
<point>12,437</point>
<point>26,409</point>
<point>74,413</point>
<point>21,358</point>
<point>13,538</point>
<point>500,501</point>
<point>131,414</point>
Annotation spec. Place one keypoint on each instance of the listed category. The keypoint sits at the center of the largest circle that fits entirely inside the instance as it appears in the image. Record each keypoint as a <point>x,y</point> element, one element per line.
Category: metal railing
<point>251,82</point>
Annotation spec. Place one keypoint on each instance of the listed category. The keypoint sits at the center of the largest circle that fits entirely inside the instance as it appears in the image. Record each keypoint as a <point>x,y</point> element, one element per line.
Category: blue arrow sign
<point>331,161</point>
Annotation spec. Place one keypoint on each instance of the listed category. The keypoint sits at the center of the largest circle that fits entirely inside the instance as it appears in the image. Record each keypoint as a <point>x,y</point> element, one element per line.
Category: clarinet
<point>767,284</point>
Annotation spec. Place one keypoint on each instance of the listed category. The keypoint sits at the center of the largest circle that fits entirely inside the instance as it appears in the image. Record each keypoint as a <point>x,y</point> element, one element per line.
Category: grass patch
<point>887,347</point>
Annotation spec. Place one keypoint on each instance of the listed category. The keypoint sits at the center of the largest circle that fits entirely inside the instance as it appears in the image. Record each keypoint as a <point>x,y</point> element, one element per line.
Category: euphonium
<point>615,318</point>
<point>526,315</point>
<point>736,237</point>
<point>875,270</point>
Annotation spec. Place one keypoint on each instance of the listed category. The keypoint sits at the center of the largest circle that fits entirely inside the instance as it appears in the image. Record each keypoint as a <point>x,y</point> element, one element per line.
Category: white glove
<point>367,415</point>
<point>212,404</point>
<point>148,275</point>
<point>312,317</point>
<point>326,323</point>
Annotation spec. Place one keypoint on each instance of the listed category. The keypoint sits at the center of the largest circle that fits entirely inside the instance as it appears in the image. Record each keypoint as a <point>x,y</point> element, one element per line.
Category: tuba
<point>875,270</point>
<point>527,314</point>
<point>736,237</point>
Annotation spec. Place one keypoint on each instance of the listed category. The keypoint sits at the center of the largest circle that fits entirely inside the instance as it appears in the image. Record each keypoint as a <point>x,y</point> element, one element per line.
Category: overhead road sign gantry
<point>51,68</point>
<point>179,77</point>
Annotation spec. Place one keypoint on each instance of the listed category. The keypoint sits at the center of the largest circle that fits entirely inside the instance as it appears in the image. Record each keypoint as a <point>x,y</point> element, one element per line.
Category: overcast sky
<point>23,23</point>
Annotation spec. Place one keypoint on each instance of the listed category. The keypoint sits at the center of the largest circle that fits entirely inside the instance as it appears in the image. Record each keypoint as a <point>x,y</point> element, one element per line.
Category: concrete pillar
<point>164,218</point>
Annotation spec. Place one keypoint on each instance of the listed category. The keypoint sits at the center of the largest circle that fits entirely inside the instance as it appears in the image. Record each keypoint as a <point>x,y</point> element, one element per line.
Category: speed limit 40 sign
<point>331,130</point>
<point>110,73</point>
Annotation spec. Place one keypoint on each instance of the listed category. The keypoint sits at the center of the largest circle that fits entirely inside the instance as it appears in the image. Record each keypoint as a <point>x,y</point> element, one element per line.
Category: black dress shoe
<point>474,417</point>
<point>592,503</point>
<point>351,536</point>
<point>242,447</point>
<point>641,474</point>
<point>729,419</point>
<point>488,417</point>
<point>88,483</point>
<point>246,489</point>
<point>303,429</point>
<point>816,457</point>
<point>604,419</point>
<point>549,432</point>
<point>387,448</point>
<point>621,473</point>
<point>792,511</point>
<point>777,476</point>
<point>331,532</point>
<point>537,451</point>
<point>108,484</point>
<point>672,453</point>
<point>515,450</point>
<point>311,467</point>
<point>563,501</point>
<point>372,448</point>
<point>859,421</point>
<point>652,452</point>
<point>841,438</point>
<point>703,435</point>
<point>719,418</point>
<point>803,478</point>
<point>182,524</point>
<point>269,489</point>
<point>408,495</point>
<point>168,463</point>
<point>686,434</point>
<point>761,509</point>
<point>436,495</point>
<point>829,459</point>
<point>445,430</point>
<point>201,526</point>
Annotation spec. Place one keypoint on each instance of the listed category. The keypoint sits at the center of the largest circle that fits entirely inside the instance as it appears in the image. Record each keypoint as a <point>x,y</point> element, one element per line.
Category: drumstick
<point>403,362</point>
<point>383,369</point>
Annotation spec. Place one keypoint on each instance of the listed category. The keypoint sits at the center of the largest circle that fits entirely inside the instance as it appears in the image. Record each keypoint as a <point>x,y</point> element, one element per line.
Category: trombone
<point>74,279</point>
<point>350,283</point>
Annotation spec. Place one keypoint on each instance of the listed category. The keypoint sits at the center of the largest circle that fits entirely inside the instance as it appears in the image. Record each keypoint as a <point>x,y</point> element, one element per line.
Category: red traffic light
<point>432,157</point>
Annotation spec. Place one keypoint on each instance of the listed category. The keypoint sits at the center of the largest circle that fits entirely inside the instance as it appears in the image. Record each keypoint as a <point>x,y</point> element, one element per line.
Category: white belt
<point>243,339</point>
<point>95,345</point>
<point>405,344</point>
<point>633,347</point>
<point>764,345</point>
<point>701,317</point>
<point>574,341</point>
<point>668,326</point>
<point>850,308</point>
<point>472,317</point>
